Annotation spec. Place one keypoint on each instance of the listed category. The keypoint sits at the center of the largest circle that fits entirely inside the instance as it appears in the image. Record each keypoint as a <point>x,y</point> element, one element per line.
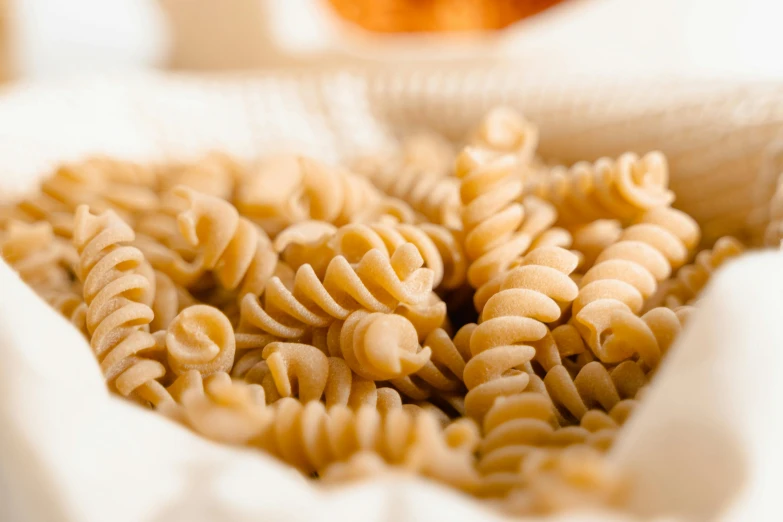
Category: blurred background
<point>45,39</point>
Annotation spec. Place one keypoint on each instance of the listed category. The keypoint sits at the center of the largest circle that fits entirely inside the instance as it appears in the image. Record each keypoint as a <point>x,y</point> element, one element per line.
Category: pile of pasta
<point>469,314</point>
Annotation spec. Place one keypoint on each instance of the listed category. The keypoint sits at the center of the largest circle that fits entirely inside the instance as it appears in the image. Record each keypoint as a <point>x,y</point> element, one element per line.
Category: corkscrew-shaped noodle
<point>428,152</point>
<point>214,174</point>
<point>432,195</point>
<point>310,437</point>
<point>289,189</point>
<point>691,279</point>
<point>594,386</point>
<point>378,283</point>
<point>41,259</point>
<point>505,131</point>
<point>593,238</point>
<point>427,316</point>
<point>115,295</point>
<point>614,333</point>
<point>607,189</point>
<point>562,479</point>
<point>316,243</point>
<point>490,216</point>
<point>377,346</point>
<point>516,427</point>
<point>443,372</point>
<point>170,299</point>
<point>233,248</point>
<point>629,270</point>
<point>512,321</point>
<point>219,408</point>
<point>200,338</point>
<point>307,373</point>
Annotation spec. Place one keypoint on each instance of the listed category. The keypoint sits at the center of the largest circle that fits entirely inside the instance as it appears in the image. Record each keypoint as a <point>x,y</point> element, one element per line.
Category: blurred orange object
<point>410,16</point>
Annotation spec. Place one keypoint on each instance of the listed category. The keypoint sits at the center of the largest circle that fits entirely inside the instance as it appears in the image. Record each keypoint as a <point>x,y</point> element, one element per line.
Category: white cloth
<point>704,444</point>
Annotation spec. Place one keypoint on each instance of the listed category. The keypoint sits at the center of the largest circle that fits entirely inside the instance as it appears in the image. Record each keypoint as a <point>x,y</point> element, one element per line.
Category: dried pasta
<point>511,322</point>
<point>116,312</point>
<point>607,189</point>
<point>483,318</point>
<point>377,283</point>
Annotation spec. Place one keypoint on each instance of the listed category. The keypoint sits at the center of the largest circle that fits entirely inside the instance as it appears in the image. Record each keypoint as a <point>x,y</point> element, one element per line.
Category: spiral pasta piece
<point>562,479</point>
<point>377,283</point>
<point>315,243</point>
<point>629,270</point>
<point>512,321</point>
<point>234,249</point>
<point>117,315</point>
<point>214,174</point>
<point>622,189</point>
<point>308,374</point>
<point>310,437</point>
<point>42,260</point>
<point>284,190</point>
<point>593,238</point>
<point>516,428</point>
<point>377,346</point>
<point>443,372</point>
<point>496,230</point>
<point>427,192</point>
<point>593,387</point>
<point>200,338</point>
<point>615,334</point>
<point>219,408</point>
<point>505,131</point>
<point>691,279</point>
<point>170,299</point>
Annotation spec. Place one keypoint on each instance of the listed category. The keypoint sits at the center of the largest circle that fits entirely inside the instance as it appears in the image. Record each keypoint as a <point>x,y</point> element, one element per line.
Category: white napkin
<point>703,445</point>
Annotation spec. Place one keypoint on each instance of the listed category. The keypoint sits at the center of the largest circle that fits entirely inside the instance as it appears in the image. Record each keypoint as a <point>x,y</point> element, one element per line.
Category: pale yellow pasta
<point>623,188</point>
<point>41,259</point>
<point>614,333</point>
<point>200,338</point>
<point>593,238</point>
<point>630,269</point>
<point>170,299</point>
<point>220,409</point>
<point>315,243</point>
<point>115,295</point>
<point>308,374</point>
<point>238,253</point>
<point>377,346</point>
<point>311,438</point>
<point>516,428</point>
<point>283,190</point>
<point>562,479</point>
<point>426,317</point>
<point>430,194</point>
<point>214,174</point>
<point>497,230</point>
<point>505,131</point>
<point>443,372</point>
<point>377,283</point>
<point>691,279</point>
<point>594,386</point>
<point>428,152</point>
<point>511,322</point>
